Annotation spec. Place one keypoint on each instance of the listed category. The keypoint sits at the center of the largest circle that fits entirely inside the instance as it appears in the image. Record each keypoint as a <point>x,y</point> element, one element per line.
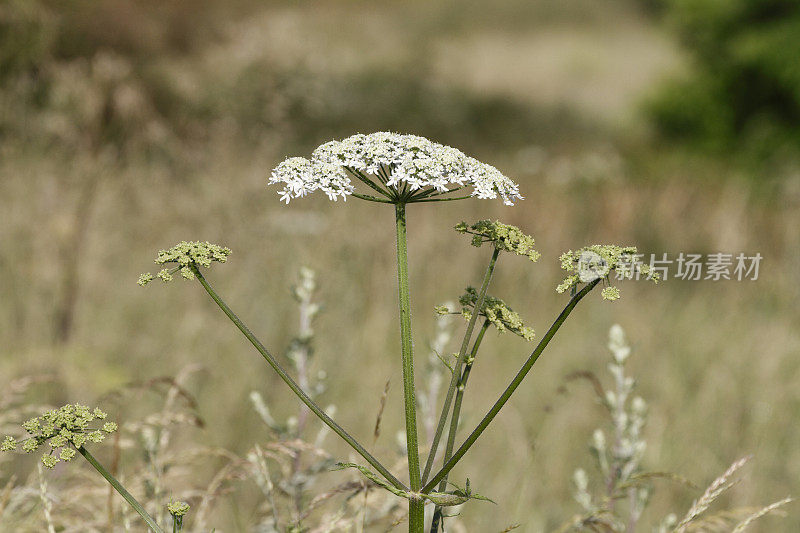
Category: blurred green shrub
<point>742,89</point>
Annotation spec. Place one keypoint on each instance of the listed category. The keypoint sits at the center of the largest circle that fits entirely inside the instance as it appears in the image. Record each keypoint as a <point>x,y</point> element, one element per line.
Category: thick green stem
<point>462,355</point>
<point>416,507</point>
<point>451,435</point>
<point>484,423</point>
<point>295,387</point>
<point>151,523</point>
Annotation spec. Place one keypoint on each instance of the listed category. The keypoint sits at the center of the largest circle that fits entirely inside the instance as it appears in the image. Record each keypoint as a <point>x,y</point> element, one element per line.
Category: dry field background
<point>548,92</point>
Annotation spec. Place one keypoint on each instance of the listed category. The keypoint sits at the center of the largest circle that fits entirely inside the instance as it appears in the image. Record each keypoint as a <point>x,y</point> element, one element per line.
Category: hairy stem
<point>456,374</point>
<point>451,435</point>
<point>295,387</point>
<point>151,523</point>
<point>416,506</point>
<point>484,423</point>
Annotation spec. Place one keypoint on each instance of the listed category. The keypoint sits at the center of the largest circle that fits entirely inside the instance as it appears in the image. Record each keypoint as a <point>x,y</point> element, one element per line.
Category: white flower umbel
<point>400,167</point>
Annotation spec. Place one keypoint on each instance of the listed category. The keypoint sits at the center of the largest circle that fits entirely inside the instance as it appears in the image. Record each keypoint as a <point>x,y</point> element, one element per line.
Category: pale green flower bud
<point>186,256</point>
<point>8,445</point>
<point>441,310</point>
<point>596,262</point>
<point>63,430</point>
<point>610,293</point>
<point>67,454</point>
<point>497,312</point>
<point>503,236</point>
<point>178,509</point>
<point>58,441</point>
<point>31,426</point>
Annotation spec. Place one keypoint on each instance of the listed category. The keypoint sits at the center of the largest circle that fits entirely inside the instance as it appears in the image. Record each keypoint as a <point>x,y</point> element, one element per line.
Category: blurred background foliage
<point>740,90</point>
<point>127,125</point>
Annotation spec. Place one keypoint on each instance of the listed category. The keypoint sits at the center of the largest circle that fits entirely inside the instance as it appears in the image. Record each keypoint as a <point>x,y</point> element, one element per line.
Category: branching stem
<point>484,423</point>
<point>451,435</point>
<point>462,355</point>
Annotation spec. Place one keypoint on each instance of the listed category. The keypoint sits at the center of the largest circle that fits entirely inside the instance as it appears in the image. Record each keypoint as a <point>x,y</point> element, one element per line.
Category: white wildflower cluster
<point>400,162</point>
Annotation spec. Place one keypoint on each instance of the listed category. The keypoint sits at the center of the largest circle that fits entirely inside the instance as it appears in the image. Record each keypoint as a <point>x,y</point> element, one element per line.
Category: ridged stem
<point>416,507</point>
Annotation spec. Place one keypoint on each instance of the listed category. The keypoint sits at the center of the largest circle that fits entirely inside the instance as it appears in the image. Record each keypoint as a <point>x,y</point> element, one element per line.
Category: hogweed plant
<point>624,488</point>
<point>400,170</point>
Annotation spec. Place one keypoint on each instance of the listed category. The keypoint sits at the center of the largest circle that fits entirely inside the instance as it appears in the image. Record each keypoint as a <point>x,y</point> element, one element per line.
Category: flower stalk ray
<point>298,391</point>
<point>149,520</point>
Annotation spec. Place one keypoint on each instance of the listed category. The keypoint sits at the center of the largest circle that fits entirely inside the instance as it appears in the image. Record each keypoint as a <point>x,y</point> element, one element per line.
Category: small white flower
<point>397,162</point>
<point>301,176</point>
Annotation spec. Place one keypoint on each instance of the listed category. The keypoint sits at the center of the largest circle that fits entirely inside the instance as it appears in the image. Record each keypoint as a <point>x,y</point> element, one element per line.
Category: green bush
<point>743,86</point>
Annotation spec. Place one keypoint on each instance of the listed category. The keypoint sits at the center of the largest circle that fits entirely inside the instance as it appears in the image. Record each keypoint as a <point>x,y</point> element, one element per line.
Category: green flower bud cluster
<point>494,310</point>
<point>597,261</point>
<point>186,255</point>
<point>504,237</point>
<point>178,509</point>
<point>63,430</point>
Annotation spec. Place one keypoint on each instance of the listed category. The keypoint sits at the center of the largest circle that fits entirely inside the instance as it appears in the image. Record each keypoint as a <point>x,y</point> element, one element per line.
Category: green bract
<point>504,237</point>
<point>63,430</point>
<point>186,255</point>
<point>495,311</point>
<point>596,262</point>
